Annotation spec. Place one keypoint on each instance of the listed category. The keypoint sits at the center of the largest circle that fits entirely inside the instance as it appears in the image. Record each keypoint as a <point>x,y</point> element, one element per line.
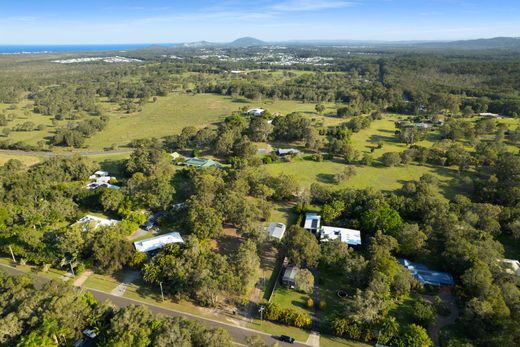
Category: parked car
<point>148,225</point>
<point>286,338</point>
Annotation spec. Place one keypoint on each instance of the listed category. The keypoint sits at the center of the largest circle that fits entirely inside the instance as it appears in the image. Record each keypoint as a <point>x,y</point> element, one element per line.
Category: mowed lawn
<point>25,159</point>
<point>170,114</point>
<point>379,177</point>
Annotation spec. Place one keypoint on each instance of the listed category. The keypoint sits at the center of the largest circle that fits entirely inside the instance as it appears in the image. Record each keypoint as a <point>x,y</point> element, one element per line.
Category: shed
<point>312,222</point>
<point>289,276</point>
<point>276,230</point>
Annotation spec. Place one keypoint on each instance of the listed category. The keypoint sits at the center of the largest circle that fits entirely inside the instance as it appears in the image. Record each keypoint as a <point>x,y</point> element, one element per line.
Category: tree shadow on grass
<point>382,138</point>
<point>325,178</point>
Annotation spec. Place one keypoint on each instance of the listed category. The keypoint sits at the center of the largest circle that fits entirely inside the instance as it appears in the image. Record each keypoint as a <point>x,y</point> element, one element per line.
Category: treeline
<point>57,314</point>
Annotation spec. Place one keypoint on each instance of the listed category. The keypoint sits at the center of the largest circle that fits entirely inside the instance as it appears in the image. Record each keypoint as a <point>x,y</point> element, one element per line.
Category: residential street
<point>239,334</point>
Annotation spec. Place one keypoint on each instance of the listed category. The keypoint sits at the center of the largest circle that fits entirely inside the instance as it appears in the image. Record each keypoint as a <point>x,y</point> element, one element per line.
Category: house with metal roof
<point>426,276</point>
<point>96,221</point>
<point>256,112</point>
<point>157,242</point>
<point>201,163</point>
<point>351,237</point>
<point>287,151</point>
<point>289,275</point>
<point>276,230</point>
<point>312,222</point>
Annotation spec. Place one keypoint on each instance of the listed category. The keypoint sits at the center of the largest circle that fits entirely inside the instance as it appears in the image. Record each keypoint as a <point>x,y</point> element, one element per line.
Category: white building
<point>101,179</point>
<point>276,230</point>
<point>512,266</point>
<point>256,112</point>
<point>96,221</point>
<point>99,174</point>
<point>157,242</point>
<point>312,222</point>
<point>287,151</point>
<point>351,237</point>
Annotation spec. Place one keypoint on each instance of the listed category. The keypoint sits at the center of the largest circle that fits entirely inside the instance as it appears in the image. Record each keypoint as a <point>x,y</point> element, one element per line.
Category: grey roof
<point>427,276</point>
<point>289,274</point>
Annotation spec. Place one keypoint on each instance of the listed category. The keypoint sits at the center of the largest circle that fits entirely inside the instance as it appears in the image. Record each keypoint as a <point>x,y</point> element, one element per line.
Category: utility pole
<point>162,294</point>
<point>12,254</point>
<point>261,310</point>
<point>72,268</point>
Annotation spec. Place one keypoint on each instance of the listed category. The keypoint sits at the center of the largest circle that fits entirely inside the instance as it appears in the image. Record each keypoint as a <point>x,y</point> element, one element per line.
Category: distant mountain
<point>246,42</point>
<point>502,43</point>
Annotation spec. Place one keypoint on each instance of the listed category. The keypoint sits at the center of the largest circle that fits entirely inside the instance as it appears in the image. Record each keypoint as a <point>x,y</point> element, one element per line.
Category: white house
<point>286,151</point>
<point>276,230</point>
<point>256,112</point>
<point>96,221</point>
<point>512,266</point>
<point>351,237</point>
<point>101,179</point>
<point>99,174</point>
<point>157,242</point>
<point>312,222</point>
<point>489,115</point>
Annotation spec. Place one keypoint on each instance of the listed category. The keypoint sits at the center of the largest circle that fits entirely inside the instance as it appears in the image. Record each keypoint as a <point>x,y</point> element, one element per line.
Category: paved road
<point>239,334</point>
<point>65,154</point>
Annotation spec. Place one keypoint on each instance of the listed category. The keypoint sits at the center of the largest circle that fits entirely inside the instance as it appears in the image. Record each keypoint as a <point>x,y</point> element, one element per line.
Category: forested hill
<point>498,43</point>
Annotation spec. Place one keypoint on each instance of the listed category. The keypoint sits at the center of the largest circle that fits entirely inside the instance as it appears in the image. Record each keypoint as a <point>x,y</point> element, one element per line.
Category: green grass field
<point>378,177</point>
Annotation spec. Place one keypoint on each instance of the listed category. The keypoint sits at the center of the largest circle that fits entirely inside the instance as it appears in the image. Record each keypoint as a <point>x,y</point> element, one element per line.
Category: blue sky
<point>133,21</point>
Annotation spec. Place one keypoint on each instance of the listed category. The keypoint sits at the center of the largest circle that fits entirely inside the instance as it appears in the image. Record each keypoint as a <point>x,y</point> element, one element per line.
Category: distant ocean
<point>12,49</point>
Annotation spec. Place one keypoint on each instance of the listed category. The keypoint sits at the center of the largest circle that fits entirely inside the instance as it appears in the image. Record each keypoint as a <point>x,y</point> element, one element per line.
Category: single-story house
<point>101,179</point>
<point>175,155</point>
<point>256,112</point>
<point>201,163</point>
<point>276,230</point>
<point>351,237</point>
<point>287,151</point>
<point>423,125</point>
<point>312,222</point>
<point>96,221</point>
<point>489,115</point>
<point>95,185</point>
<point>427,276</point>
<point>289,275</point>
<point>99,174</point>
<point>512,266</point>
<point>157,242</point>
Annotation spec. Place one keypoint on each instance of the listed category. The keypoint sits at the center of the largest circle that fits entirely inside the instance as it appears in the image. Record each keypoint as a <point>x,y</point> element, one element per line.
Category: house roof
<point>99,174</point>
<point>349,236</point>
<point>157,242</point>
<point>256,111</point>
<point>290,273</point>
<point>285,151</point>
<point>97,221</point>
<point>512,266</point>
<point>276,230</point>
<point>312,221</point>
<point>198,162</point>
<point>427,276</point>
